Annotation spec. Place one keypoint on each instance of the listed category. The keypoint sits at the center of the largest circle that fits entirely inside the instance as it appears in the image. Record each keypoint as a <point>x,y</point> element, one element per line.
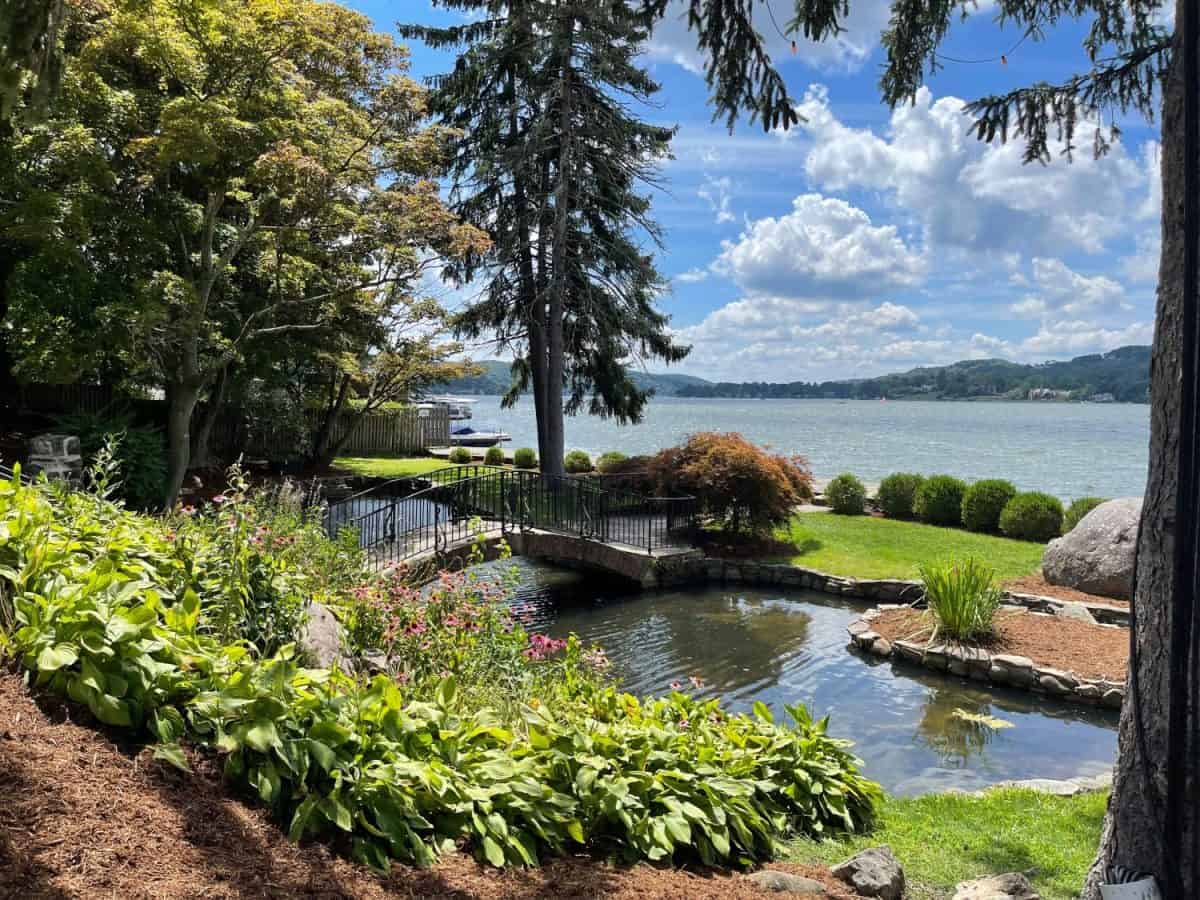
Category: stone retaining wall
<point>719,571</point>
<point>992,668</point>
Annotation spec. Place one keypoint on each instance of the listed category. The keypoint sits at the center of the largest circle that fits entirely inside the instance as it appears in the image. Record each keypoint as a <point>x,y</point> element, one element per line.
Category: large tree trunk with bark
<point>201,457</point>
<point>1135,827</point>
<point>323,447</point>
<point>181,403</point>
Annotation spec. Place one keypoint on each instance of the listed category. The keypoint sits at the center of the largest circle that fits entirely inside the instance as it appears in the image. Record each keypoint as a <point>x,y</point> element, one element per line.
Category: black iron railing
<point>403,518</point>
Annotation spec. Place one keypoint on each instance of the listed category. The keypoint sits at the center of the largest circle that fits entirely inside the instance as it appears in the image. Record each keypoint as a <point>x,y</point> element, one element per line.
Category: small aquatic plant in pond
<point>962,597</point>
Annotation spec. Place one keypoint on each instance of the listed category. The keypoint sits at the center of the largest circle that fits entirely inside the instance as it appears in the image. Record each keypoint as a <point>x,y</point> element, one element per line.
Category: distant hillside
<point>495,379</point>
<point>1121,375</point>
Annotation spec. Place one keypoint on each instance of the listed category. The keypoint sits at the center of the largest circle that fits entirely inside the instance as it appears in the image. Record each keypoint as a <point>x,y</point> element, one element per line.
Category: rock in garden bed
<point>1096,556</point>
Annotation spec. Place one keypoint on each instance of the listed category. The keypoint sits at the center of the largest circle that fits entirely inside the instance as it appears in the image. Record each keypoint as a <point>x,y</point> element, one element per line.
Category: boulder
<point>1013,886</point>
<point>874,872</point>
<point>786,883</point>
<point>1096,556</point>
<point>324,638</point>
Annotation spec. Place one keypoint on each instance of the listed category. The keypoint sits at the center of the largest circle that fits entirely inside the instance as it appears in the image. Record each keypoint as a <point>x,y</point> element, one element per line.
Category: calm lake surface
<point>784,647</point>
<point>1067,449</point>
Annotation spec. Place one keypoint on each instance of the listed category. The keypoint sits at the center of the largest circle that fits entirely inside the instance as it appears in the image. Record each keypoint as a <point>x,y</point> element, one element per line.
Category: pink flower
<point>219,499</point>
<point>675,685</point>
<point>684,723</point>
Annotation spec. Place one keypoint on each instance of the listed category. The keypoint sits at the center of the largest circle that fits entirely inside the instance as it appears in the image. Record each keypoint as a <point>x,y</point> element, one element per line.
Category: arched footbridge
<point>584,520</point>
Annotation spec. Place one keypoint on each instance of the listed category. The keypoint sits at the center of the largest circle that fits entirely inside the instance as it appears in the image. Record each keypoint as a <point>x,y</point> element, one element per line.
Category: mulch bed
<point>83,816</point>
<point>1036,584</point>
<point>1090,651</point>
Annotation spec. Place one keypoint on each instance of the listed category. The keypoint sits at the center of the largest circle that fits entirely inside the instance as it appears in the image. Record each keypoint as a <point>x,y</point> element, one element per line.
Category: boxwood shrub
<point>938,500</point>
<point>493,457</point>
<point>610,461</point>
<point>525,458</point>
<point>577,462</point>
<point>1078,509</point>
<point>984,501</point>
<point>846,495</point>
<point>897,493</point>
<point>1032,516</point>
<point>460,456</point>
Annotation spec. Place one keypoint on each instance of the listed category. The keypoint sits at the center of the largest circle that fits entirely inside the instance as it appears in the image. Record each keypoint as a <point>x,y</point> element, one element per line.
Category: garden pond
<point>916,732</point>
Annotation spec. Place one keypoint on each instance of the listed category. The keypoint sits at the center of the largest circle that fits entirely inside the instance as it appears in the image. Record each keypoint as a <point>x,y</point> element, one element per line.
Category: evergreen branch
<point>1129,81</point>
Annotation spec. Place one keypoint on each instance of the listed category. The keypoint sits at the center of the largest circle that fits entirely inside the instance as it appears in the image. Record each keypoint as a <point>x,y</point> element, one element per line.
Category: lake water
<point>784,647</point>
<point>1067,449</point>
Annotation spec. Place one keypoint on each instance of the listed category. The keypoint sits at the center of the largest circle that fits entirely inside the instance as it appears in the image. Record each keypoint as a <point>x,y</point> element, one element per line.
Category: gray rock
<point>1013,886</point>
<point>786,883</point>
<point>874,872</point>
<point>1097,555</point>
<point>324,638</point>
<point>1076,611</point>
<point>882,647</point>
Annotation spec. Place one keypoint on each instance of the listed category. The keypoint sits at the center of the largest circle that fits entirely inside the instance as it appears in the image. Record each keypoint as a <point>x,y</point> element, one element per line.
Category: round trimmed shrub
<point>460,456</point>
<point>1078,509</point>
<point>577,462</point>
<point>897,493</point>
<point>984,501</point>
<point>525,458</point>
<point>846,495</point>
<point>493,457</point>
<point>610,461</point>
<point>1032,516</point>
<point>938,500</point>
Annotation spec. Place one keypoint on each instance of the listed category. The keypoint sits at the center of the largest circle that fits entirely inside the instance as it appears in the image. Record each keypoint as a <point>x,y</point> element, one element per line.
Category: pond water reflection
<point>915,730</point>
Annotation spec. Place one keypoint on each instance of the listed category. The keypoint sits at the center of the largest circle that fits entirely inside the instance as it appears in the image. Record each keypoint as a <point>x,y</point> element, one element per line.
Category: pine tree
<point>551,160</point>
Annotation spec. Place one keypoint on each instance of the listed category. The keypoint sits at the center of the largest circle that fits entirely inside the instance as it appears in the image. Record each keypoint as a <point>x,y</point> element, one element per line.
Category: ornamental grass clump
<point>963,598</point>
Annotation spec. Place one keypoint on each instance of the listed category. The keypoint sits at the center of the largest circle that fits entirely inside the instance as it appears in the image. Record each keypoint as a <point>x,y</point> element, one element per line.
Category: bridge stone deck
<point>634,563</point>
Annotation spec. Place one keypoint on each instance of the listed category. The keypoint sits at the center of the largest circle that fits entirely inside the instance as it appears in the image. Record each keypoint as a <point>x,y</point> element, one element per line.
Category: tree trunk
<point>181,403</point>
<point>323,450</point>
<point>1134,829</point>
<point>8,265</point>
<point>552,454</point>
<point>201,455</point>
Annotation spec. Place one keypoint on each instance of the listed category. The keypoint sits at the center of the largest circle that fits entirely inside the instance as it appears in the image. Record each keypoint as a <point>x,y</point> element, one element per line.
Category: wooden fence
<point>392,434</point>
<point>409,430</point>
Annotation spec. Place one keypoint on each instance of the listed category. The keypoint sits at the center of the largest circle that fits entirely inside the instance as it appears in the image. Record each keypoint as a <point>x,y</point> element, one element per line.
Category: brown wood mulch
<point>1036,584</point>
<point>1089,651</point>
<point>83,817</point>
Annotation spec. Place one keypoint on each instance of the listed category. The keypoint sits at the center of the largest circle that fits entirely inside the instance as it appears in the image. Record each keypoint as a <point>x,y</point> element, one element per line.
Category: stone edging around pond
<point>993,668</point>
<point>692,570</point>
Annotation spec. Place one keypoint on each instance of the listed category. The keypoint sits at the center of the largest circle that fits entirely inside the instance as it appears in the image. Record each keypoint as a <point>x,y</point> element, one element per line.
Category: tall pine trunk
<point>552,455</point>
<point>1135,827</point>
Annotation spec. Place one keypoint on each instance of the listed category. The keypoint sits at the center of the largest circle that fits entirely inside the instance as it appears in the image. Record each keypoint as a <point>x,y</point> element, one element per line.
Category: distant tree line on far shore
<point>1121,375</point>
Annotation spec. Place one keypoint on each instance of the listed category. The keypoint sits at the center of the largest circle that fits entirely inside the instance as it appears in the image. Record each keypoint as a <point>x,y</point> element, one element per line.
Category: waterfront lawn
<point>870,547</point>
<point>390,468</point>
<point>942,839</point>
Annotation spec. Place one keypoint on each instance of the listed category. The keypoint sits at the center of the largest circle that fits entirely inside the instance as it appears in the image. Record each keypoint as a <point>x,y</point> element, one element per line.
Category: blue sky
<point>868,240</point>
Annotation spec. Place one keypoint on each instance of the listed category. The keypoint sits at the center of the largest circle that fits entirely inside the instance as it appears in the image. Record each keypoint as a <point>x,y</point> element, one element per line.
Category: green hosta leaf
<point>167,724</point>
<point>54,658</point>
<point>173,754</point>
<point>262,735</point>
<point>324,756</point>
<point>337,813</point>
<point>109,710</point>
<point>575,831</point>
<point>302,817</point>
<point>763,712</point>
<point>493,852</point>
<point>447,690</point>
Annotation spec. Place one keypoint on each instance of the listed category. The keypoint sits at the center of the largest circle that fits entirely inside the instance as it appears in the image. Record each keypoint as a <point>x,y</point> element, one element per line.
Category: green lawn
<point>868,547</point>
<point>390,468</point>
<point>942,839</point>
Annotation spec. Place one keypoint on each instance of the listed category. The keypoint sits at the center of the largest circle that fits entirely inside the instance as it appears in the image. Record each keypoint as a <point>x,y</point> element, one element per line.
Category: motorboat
<point>459,408</point>
<point>481,436</point>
